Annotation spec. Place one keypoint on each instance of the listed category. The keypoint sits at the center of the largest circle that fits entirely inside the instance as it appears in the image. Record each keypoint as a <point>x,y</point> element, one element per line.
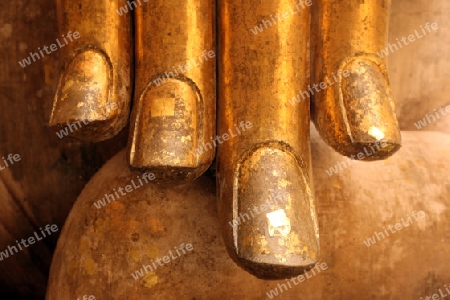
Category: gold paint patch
<point>150,280</point>
<point>135,254</point>
<point>152,251</point>
<point>156,225</point>
<point>84,245</point>
<point>89,266</point>
<point>162,107</point>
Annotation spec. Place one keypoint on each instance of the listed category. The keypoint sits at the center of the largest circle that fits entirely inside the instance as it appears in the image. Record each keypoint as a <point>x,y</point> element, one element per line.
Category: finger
<point>92,100</point>
<point>174,111</point>
<point>264,178</point>
<point>353,107</point>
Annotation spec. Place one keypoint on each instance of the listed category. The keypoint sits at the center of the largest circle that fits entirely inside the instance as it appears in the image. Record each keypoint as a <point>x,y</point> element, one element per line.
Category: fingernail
<point>81,101</point>
<point>278,235</point>
<point>369,109</point>
<point>165,132</point>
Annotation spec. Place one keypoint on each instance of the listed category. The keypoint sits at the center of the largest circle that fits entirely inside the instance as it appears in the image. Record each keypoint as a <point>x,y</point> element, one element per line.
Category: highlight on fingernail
<point>166,130</point>
<point>365,100</point>
<point>274,222</point>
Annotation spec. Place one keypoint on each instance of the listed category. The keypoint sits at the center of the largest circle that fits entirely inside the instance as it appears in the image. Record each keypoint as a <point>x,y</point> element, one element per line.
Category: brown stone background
<point>420,71</point>
<point>99,257</point>
<point>41,188</point>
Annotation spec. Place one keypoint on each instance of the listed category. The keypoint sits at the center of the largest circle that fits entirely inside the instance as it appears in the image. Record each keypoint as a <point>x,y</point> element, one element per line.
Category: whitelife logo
<point>131,4</point>
<point>302,4</point>
<point>10,158</point>
<point>350,160</point>
<point>398,227</point>
<point>110,106</point>
<point>430,118</point>
<point>274,292</point>
<point>243,125</point>
<point>411,38</point>
<point>31,240</point>
<point>27,61</point>
<point>147,177</point>
<point>319,87</point>
<point>438,296</point>
<point>183,68</point>
<point>166,259</point>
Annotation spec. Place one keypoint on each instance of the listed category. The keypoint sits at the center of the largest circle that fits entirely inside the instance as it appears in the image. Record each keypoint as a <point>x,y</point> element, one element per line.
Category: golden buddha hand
<point>266,202</point>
